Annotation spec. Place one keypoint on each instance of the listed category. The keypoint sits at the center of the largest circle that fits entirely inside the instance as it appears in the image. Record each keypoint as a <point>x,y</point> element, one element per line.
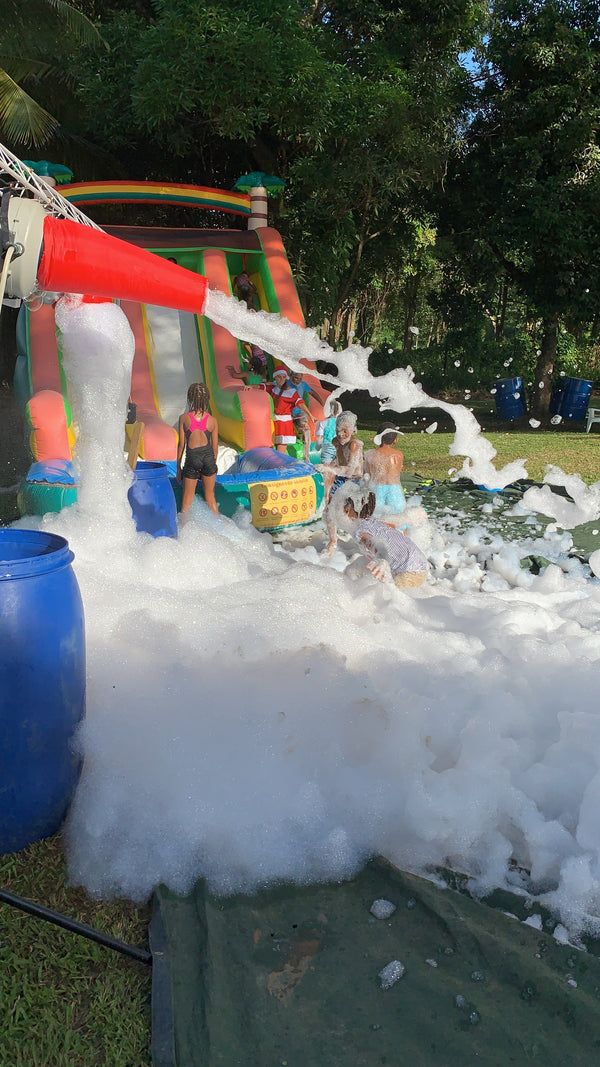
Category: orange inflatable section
<point>255,404</point>
<point>289,305</point>
<point>49,438</point>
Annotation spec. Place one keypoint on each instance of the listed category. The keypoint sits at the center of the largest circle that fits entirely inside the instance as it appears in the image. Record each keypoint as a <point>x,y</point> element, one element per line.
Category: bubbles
<point>244,719</point>
<point>391,973</point>
<point>382,909</point>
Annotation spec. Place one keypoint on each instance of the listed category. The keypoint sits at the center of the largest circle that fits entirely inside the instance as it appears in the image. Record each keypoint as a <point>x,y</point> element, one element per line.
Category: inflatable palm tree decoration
<point>259,185</point>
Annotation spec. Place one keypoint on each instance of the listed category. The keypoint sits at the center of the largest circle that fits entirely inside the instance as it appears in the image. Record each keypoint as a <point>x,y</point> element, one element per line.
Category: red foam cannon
<point>80,259</point>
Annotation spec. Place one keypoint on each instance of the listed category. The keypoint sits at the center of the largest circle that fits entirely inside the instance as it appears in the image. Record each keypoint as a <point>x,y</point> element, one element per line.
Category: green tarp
<point>289,977</point>
<point>465,501</point>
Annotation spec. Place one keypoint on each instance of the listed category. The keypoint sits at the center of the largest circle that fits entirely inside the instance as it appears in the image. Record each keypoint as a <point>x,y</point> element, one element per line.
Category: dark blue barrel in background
<point>510,398</point>
<point>42,684</point>
<point>574,398</point>
<point>152,500</point>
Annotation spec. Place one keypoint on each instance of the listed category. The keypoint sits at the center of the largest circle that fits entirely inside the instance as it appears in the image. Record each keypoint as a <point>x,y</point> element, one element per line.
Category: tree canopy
<point>422,189</point>
<point>524,184</point>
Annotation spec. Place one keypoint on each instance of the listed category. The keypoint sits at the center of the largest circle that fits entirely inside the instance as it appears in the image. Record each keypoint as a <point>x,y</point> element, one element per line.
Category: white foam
<point>257,712</point>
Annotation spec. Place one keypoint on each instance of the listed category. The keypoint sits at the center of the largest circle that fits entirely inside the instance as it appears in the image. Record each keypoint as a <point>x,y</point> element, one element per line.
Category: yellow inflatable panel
<point>282,502</point>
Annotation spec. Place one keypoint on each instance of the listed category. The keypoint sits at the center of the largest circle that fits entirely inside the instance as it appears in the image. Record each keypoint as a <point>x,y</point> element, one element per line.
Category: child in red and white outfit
<point>285,398</point>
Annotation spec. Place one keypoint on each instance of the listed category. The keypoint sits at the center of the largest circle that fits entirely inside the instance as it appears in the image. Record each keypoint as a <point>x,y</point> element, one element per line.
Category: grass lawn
<point>427,454</point>
<point>67,1001</point>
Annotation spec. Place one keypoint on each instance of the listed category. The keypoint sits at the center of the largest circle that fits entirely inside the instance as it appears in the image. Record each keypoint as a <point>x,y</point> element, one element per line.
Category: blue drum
<point>42,684</point>
<point>510,398</point>
<point>152,500</point>
<point>575,397</point>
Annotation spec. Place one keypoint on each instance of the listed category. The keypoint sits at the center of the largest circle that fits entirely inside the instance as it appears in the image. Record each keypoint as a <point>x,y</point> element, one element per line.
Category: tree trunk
<point>502,315</point>
<point>411,292</point>
<point>542,385</point>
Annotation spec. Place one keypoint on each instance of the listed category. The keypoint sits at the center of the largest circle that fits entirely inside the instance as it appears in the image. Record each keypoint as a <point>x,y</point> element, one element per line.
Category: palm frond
<point>22,120</point>
<point>77,23</point>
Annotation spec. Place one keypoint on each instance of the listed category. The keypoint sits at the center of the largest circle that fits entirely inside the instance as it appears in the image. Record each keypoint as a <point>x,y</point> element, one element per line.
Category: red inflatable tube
<point>80,259</point>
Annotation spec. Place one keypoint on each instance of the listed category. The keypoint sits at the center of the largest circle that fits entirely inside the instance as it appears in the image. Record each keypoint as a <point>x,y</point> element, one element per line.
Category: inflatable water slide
<point>172,348</point>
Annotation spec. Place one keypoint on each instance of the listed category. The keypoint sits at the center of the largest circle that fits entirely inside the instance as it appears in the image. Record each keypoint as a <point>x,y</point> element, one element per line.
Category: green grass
<point>427,454</point>
<point>574,451</point>
<point>67,1001</point>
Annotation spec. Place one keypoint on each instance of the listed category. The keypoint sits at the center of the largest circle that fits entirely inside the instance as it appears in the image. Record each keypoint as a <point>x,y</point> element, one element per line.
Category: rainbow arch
<point>124,192</point>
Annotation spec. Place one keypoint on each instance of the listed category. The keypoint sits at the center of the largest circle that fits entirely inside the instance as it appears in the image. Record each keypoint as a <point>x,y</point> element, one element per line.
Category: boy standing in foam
<point>348,455</point>
<point>383,465</point>
<point>326,430</point>
<point>349,467</point>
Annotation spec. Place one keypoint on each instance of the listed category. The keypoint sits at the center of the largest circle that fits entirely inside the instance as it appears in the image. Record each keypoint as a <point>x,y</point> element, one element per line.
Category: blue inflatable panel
<point>269,463</point>
<point>52,471</point>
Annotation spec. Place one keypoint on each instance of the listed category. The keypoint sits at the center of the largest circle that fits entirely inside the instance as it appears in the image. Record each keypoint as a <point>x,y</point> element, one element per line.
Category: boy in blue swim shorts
<point>383,465</point>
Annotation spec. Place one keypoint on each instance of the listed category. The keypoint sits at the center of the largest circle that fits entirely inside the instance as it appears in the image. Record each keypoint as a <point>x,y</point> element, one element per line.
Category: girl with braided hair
<point>199,437</point>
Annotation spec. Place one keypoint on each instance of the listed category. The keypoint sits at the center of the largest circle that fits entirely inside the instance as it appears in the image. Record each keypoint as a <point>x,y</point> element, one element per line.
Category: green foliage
<point>36,39</point>
<point>357,123</point>
<point>524,181</point>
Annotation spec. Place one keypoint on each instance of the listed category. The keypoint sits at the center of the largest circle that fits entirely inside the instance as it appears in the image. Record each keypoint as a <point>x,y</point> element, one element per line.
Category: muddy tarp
<point>289,977</point>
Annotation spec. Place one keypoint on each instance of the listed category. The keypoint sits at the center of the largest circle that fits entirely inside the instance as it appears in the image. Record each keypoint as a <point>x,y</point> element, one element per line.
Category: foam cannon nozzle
<point>60,256</point>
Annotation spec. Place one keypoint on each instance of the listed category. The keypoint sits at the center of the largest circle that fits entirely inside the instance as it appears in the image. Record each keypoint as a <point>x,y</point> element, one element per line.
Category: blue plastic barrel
<point>152,500</point>
<point>576,393</point>
<point>510,398</point>
<point>42,684</point>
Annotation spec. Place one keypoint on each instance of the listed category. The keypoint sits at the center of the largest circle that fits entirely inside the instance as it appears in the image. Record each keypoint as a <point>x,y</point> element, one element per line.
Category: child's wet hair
<point>198,397</point>
<point>347,418</point>
<point>332,409</point>
<point>367,505</point>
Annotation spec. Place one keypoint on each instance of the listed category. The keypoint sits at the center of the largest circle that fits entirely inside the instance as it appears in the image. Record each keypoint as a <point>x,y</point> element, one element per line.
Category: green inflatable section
<point>291,977</point>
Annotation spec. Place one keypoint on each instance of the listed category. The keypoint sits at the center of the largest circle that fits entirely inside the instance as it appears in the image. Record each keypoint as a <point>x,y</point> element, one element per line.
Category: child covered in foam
<point>393,556</point>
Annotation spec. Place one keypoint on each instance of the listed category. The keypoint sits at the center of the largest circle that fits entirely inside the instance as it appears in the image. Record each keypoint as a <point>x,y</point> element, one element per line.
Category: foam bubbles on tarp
<point>594,562</point>
<point>382,909</point>
<point>584,505</point>
<point>391,973</point>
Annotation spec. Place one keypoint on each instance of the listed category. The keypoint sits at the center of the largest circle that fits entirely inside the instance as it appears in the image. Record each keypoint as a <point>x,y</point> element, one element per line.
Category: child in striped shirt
<point>393,556</point>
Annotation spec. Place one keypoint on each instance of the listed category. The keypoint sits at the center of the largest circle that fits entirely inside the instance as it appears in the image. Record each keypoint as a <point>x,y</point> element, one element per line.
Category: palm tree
<point>36,35</point>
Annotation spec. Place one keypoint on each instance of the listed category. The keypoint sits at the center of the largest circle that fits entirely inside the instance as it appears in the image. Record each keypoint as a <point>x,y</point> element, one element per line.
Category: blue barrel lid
<point>29,553</point>
<point>147,469</point>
